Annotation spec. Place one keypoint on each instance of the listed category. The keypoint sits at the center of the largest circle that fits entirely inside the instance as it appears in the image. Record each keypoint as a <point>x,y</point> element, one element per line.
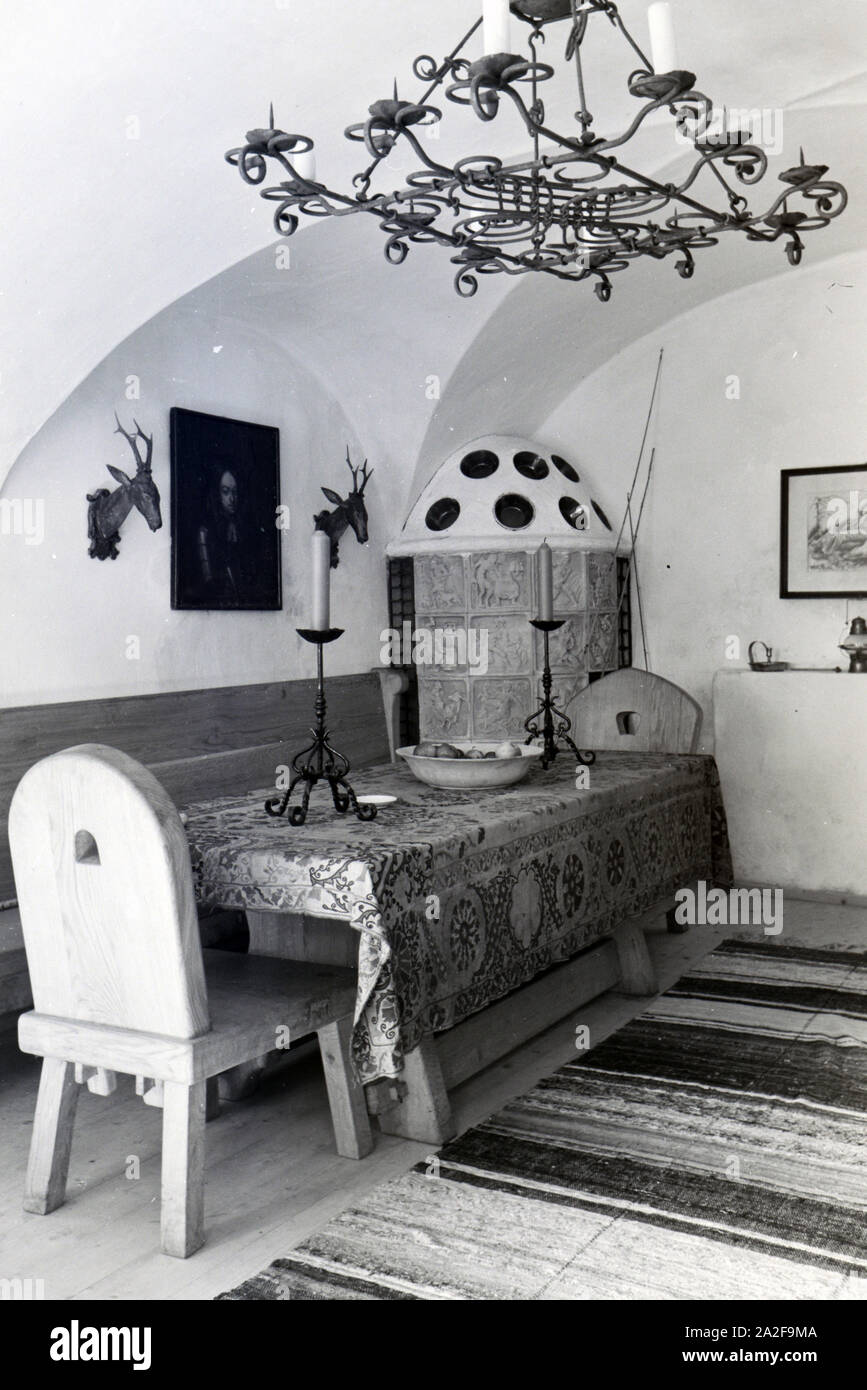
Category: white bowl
<point>468,774</point>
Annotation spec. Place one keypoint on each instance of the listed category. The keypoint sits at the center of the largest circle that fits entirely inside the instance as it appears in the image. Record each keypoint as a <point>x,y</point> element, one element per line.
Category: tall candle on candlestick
<point>545,582</point>
<point>495,14</point>
<point>320,574</point>
<point>663,45</point>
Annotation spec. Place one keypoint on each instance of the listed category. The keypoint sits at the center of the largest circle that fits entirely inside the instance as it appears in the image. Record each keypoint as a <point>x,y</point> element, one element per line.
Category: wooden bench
<point>415,1105</point>
<point>197,743</point>
<point>15,993</point>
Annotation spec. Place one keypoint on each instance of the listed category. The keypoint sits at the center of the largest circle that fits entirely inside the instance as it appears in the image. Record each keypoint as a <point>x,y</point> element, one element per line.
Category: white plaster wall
<point>794,779</point>
<point>709,545</point>
<point>65,618</point>
<point>337,347</point>
<point>708,552</point>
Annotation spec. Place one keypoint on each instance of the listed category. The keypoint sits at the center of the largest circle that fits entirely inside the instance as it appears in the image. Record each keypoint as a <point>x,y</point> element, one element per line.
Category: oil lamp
<point>855,644</point>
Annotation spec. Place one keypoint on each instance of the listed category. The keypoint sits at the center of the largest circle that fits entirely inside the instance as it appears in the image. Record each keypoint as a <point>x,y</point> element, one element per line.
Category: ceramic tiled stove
<point>476,573</point>
<point>494,591</point>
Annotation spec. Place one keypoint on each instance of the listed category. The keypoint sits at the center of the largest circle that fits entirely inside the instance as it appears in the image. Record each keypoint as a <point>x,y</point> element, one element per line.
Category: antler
<point>355,474</point>
<point>143,465</point>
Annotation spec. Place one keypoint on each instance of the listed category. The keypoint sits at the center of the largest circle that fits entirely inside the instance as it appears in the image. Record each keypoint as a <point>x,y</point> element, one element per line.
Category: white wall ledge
<point>791,747</point>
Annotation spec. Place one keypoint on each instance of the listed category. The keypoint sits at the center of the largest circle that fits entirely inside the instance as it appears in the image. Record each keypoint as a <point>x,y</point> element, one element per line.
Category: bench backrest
<point>198,743</point>
<point>102,872</point>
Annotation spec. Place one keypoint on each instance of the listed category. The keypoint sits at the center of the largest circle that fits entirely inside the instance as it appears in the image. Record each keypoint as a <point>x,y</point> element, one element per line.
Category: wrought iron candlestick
<point>319,762</point>
<point>549,711</point>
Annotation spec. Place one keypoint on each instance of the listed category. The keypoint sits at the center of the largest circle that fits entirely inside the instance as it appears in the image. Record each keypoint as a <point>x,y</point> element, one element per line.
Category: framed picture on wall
<point>225,483</point>
<point>823,532</point>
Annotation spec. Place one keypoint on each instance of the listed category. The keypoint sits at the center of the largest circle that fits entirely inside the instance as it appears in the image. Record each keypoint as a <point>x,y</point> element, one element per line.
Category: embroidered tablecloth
<point>462,897</point>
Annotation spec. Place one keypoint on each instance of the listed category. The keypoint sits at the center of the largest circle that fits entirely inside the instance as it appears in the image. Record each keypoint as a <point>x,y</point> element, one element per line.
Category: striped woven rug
<point>713,1148</point>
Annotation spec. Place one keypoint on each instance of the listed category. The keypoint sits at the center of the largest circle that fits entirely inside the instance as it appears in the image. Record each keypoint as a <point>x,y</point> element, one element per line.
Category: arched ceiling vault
<point>117,115</point>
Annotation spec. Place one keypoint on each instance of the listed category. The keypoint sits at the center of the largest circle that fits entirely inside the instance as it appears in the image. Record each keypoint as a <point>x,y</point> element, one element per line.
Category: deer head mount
<point>109,510</point>
<point>348,511</point>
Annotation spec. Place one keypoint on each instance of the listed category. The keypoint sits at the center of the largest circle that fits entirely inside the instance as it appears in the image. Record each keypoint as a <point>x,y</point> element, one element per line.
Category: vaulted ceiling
<point>117,115</point>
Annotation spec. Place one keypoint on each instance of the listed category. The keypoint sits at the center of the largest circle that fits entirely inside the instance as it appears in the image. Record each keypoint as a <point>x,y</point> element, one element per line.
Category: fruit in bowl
<point>466,766</point>
<point>507,750</point>
<point>430,749</point>
<point>438,750</point>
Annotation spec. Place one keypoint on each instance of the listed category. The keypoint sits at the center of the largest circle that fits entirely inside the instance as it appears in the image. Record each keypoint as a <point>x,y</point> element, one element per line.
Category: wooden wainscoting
<point>198,743</point>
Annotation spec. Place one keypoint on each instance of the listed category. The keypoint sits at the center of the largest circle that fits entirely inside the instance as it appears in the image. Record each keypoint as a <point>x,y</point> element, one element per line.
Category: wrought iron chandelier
<point>575,209</point>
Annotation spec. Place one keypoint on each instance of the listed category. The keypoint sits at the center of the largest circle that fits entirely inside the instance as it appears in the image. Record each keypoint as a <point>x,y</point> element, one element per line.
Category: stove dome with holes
<point>503,492</point>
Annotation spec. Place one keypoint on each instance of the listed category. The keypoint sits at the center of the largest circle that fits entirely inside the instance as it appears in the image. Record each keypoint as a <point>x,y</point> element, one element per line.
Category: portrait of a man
<point>225,501</point>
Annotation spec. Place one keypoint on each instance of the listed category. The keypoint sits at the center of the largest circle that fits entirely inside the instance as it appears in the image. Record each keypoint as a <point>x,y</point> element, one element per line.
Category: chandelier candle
<point>663,45</point>
<point>495,14</point>
<point>320,603</point>
<point>545,581</point>
<point>305,165</point>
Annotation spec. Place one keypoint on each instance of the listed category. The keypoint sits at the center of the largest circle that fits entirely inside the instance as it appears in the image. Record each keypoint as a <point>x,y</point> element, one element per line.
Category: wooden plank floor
<point>272,1174</point>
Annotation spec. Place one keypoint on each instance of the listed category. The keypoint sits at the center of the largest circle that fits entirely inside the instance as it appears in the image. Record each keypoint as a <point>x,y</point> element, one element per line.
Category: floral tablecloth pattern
<point>462,897</point>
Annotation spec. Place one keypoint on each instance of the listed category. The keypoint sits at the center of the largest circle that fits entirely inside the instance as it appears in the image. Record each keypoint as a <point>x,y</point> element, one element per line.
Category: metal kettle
<point>767,663</point>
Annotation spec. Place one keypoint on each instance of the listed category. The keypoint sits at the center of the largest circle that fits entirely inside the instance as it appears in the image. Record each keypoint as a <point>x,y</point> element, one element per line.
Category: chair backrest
<point>635,711</point>
<point>102,872</point>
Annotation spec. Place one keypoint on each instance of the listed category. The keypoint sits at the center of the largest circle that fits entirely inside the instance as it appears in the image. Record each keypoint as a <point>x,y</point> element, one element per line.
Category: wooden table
<point>450,902</point>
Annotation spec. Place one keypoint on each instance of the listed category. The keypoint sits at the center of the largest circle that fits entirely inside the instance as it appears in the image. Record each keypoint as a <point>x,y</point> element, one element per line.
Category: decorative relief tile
<point>601,580</point>
<point>569,584</point>
<point>444,707</point>
<point>577,733</point>
<point>500,579</point>
<point>500,708</point>
<point>440,585</point>
<point>565,691</point>
<point>441,645</point>
<point>602,643</point>
<point>469,689</point>
<point>566,646</point>
<point>510,647</point>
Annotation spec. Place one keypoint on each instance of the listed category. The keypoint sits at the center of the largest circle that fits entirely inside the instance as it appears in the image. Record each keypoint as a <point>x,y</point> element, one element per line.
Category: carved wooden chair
<point>636,711</point>
<point>121,984</point>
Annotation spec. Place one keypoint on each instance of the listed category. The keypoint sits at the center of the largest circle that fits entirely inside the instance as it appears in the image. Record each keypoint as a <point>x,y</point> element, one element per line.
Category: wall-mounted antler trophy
<point>348,511</point>
<point>109,510</point>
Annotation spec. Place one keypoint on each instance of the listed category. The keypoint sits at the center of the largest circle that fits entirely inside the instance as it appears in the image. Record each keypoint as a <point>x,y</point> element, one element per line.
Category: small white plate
<point>380,800</point>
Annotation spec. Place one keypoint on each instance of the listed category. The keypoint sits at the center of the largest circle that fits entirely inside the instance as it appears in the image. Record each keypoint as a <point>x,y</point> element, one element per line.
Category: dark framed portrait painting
<point>225,483</point>
<point>823,532</point>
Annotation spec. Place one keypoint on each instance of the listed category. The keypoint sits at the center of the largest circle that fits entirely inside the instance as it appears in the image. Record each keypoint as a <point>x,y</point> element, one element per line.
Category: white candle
<point>663,46</point>
<point>495,14</point>
<point>304,163</point>
<point>320,602</point>
<point>545,581</point>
